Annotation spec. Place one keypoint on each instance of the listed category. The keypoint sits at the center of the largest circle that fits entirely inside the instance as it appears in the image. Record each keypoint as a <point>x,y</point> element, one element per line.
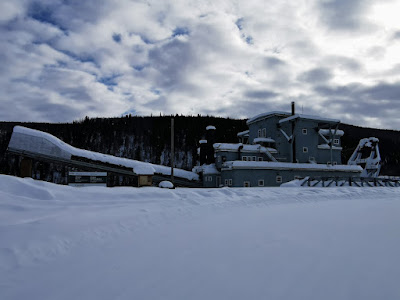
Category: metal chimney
<point>293,108</point>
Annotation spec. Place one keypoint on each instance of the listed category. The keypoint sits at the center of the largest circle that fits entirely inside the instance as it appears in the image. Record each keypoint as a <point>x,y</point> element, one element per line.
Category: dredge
<point>277,148</point>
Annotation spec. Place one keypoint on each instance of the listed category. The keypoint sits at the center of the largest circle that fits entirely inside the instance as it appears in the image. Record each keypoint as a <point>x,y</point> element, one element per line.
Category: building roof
<point>332,131</point>
<point>243,133</point>
<point>243,148</point>
<point>267,115</point>
<point>263,140</point>
<point>309,117</point>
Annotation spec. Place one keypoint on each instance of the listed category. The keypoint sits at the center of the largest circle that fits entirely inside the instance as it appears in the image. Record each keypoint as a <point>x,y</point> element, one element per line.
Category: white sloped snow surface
<point>60,242</point>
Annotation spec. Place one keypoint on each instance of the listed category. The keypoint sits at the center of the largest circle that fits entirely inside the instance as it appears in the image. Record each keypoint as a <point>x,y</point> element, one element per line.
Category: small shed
<point>145,175</point>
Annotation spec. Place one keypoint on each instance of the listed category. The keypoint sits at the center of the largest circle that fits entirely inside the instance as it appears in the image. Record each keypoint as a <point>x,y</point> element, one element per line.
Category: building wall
<point>240,176</point>
<point>324,156</point>
<point>222,156</point>
<point>306,140</point>
<point>273,131</point>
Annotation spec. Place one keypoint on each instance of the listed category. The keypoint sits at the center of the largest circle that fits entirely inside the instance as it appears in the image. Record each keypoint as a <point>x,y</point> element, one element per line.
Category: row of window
<point>252,158</point>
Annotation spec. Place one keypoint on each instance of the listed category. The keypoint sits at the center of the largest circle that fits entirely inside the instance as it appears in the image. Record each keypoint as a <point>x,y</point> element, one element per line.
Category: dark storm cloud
<point>343,14</point>
<point>260,94</point>
<point>317,75</point>
<point>358,92</point>
<point>384,91</point>
<point>345,91</point>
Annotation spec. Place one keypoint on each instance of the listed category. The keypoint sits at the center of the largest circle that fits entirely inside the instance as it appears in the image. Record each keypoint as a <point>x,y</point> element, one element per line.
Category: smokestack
<point>293,109</point>
<point>210,134</point>
<point>203,152</point>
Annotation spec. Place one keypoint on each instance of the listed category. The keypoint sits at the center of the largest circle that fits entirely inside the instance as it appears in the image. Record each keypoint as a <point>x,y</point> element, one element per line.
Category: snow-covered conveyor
<point>46,147</point>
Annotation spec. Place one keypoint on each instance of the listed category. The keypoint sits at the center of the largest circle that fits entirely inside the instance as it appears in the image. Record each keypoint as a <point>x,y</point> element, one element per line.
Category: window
<point>298,177</point>
<point>244,158</point>
<point>253,158</point>
<point>261,182</point>
<point>328,163</point>
<point>312,158</point>
<point>210,178</point>
<point>226,182</point>
<point>230,182</point>
<point>223,158</point>
<point>246,183</point>
<point>304,130</point>
<point>259,132</point>
<point>334,163</point>
<point>264,132</point>
<point>336,141</point>
<point>260,159</point>
<point>305,150</point>
<point>279,179</point>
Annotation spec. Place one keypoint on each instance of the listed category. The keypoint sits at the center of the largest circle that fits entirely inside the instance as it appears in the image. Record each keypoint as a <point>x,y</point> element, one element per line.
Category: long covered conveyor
<point>46,147</point>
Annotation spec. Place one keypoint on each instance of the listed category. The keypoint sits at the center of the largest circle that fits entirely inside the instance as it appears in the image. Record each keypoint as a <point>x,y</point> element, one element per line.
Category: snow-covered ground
<point>60,242</point>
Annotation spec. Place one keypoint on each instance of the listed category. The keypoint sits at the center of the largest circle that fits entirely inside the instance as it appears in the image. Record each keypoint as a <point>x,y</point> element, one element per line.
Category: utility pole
<point>172,150</point>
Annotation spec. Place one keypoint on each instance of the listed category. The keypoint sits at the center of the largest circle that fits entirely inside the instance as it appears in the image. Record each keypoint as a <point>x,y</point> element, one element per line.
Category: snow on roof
<point>203,141</point>
<point>40,142</point>
<point>210,127</point>
<point>227,147</point>
<point>263,140</point>
<point>266,115</point>
<point>332,131</point>
<point>309,117</point>
<point>243,133</point>
<point>243,148</point>
<point>209,169</point>
<point>292,166</point>
<point>144,170</point>
<point>327,147</point>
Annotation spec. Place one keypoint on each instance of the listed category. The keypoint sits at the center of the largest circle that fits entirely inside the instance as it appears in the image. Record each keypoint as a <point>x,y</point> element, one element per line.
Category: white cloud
<point>231,58</point>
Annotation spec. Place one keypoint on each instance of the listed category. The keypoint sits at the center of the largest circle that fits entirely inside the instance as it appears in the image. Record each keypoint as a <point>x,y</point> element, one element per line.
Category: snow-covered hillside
<point>60,242</point>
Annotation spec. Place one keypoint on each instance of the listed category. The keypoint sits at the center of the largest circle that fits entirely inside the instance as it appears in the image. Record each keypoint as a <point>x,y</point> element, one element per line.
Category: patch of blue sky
<point>79,57</point>
<point>117,37</point>
<point>138,67</point>
<point>155,91</point>
<point>129,112</point>
<point>249,40</point>
<point>109,81</point>
<point>146,40</point>
<point>44,14</point>
<point>239,23</point>
<point>180,31</point>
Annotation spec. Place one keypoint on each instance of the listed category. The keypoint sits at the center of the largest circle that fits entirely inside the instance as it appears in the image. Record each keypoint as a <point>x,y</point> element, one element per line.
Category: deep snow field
<point>60,242</point>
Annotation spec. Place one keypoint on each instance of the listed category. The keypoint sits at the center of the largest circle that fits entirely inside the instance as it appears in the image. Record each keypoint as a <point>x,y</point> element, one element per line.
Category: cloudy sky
<point>62,60</point>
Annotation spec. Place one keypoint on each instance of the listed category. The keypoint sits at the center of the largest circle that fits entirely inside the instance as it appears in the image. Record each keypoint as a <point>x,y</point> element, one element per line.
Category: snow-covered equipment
<point>367,156</point>
<point>166,184</point>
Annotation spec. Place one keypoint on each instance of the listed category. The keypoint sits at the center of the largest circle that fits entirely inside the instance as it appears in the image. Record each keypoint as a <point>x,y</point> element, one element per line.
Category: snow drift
<point>61,242</point>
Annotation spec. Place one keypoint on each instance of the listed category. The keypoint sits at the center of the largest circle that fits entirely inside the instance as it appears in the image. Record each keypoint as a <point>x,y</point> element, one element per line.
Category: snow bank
<point>94,243</point>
